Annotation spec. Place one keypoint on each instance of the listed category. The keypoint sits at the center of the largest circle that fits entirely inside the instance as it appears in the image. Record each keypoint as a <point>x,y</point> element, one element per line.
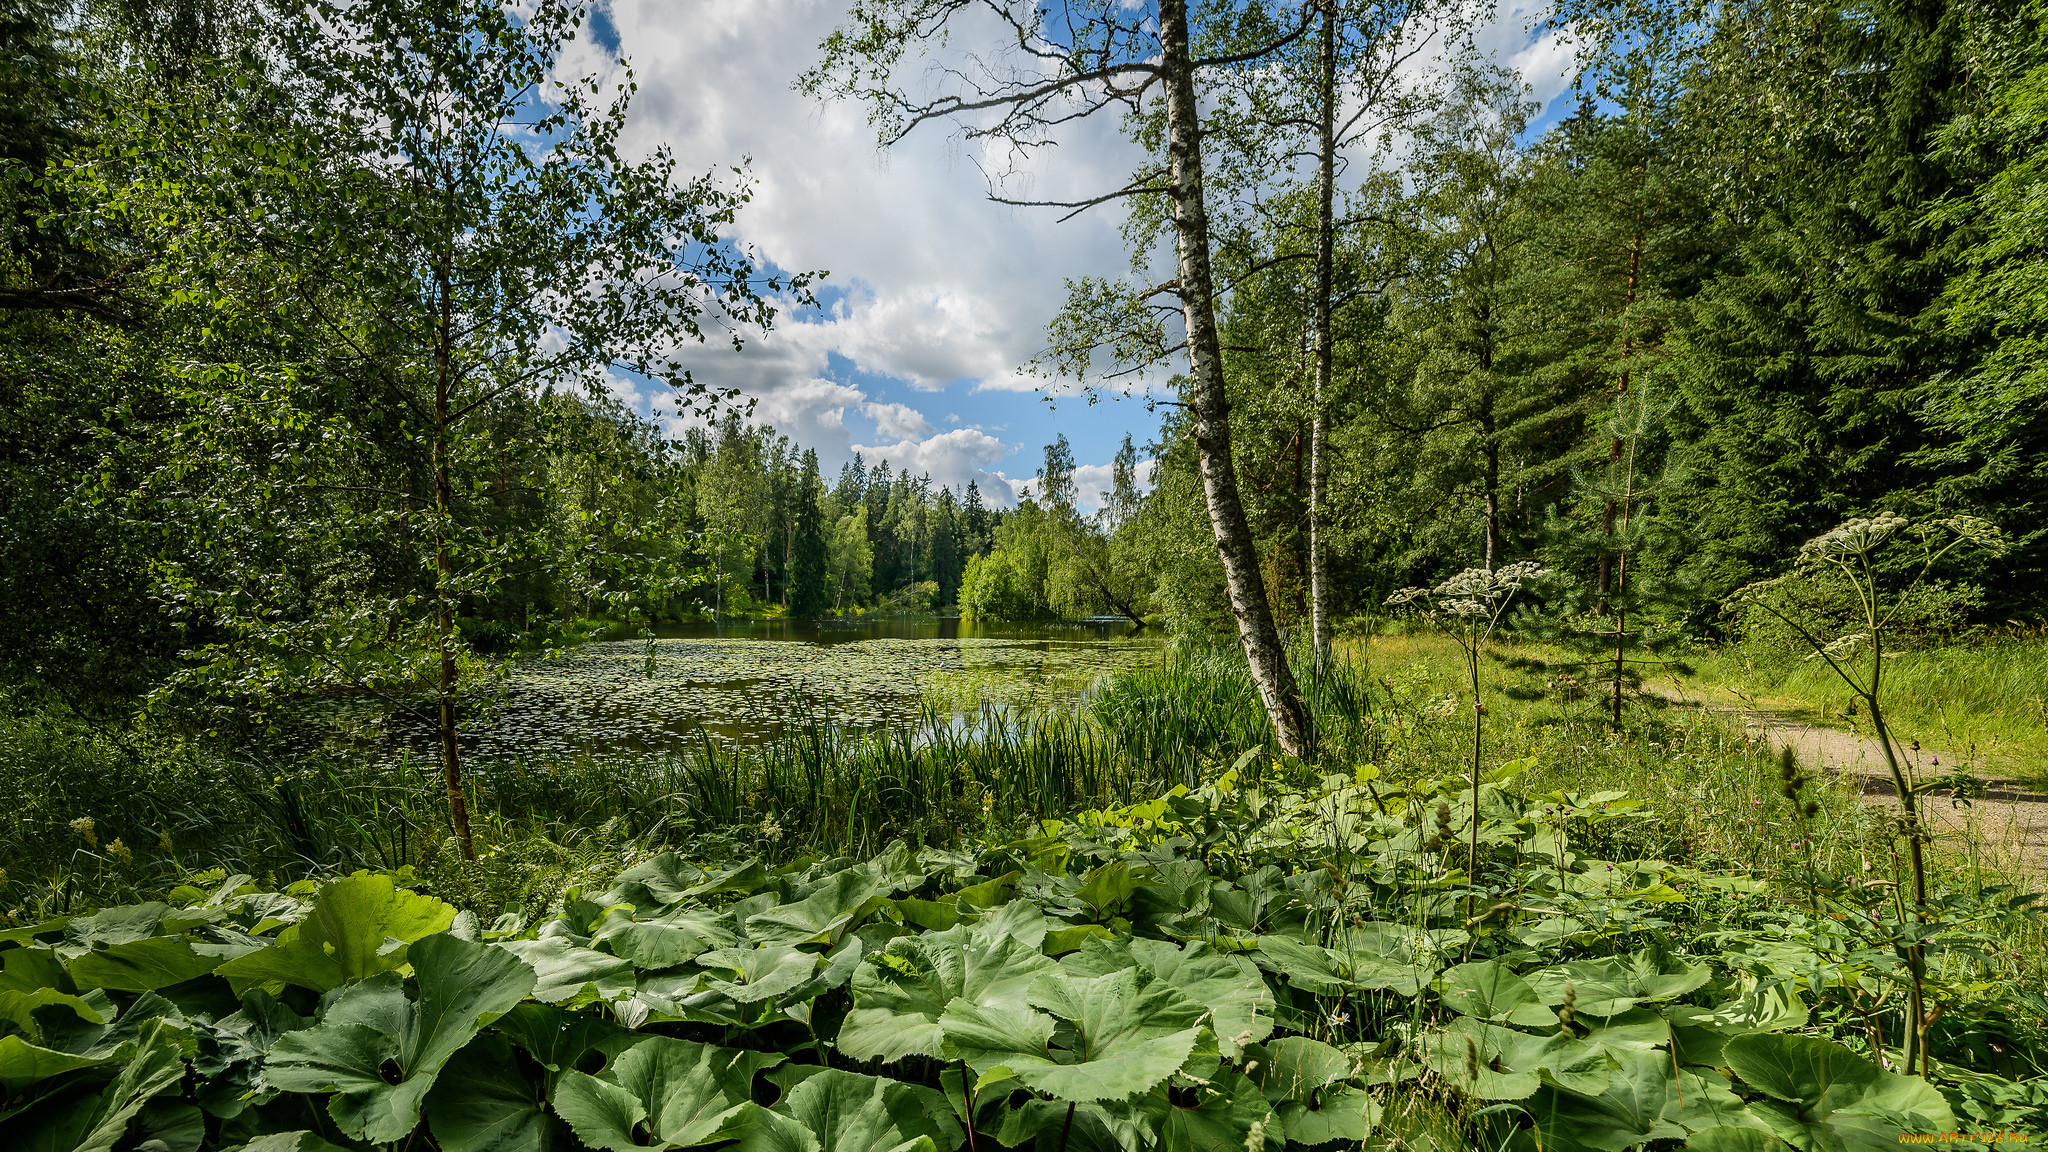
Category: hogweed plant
<point>1851,553</point>
<point>1468,607</point>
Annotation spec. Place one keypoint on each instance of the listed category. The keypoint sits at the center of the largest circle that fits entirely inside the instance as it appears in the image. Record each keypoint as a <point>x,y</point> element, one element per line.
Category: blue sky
<point>937,297</point>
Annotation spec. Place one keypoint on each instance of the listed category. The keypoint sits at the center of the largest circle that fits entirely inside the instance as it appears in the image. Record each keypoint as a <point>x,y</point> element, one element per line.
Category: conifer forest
<point>1427,575</point>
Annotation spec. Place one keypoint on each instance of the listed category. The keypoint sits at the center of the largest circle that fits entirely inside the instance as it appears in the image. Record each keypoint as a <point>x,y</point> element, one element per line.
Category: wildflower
<point>770,830</point>
<point>1255,1136</point>
<point>988,801</point>
<point>119,851</point>
<point>1339,1018</point>
<point>84,827</point>
<point>163,841</point>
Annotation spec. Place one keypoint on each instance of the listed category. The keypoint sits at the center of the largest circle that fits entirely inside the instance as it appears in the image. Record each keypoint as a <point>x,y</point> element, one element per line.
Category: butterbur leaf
<point>1613,985</point>
<point>344,937</point>
<point>165,1125</point>
<point>665,939</point>
<point>1338,1113</point>
<point>899,994</point>
<point>1630,1111</point>
<point>684,1092</point>
<point>666,879</point>
<point>1488,990</point>
<point>1229,1114</point>
<point>1490,1062</point>
<point>820,918</point>
<point>1296,1068</point>
<point>849,1112</point>
<point>23,1063</point>
<point>95,1123</point>
<point>558,1039</point>
<point>1240,1004</point>
<point>758,974</point>
<point>1825,1096</point>
<point>232,1052</point>
<point>571,975</point>
<point>1128,1034</point>
<point>483,1101</point>
<point>462,987</point>
<point>300,1141</point>
<point>141,965</point>
<point>1729,1138</point>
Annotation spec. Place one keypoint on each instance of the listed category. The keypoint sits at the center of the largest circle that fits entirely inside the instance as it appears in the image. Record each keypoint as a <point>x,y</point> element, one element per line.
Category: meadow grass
<point>1984,703</point>
<point>162,809</point>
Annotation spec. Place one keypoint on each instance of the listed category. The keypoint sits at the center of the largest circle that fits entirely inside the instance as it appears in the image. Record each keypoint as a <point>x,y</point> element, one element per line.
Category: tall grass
<point>826,790</point>
<point>1987,702</point>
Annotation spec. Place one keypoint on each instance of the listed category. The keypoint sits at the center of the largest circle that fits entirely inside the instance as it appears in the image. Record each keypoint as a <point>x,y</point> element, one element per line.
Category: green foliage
<point>1249,962</point>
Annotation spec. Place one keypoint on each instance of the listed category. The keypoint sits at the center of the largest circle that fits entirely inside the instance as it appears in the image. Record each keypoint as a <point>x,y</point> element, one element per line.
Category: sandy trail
<point>2010,818</point>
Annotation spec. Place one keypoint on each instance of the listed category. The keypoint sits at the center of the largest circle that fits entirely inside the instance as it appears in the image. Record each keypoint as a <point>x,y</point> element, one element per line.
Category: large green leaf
<point>1338,1113</point>
<point>483,1101</point>
<point>571,975</point>
<point>758,974</point>
<point>142,965</point>
<point>358,927</point>
<point>665,939</point>
<point>1644,1100</point>
<point>1297,1067</point>
<point>462,987</point>
<point>849,1112</point>
<point>558,1039</point>
<point>1336,971</point>
<point>1825,1098</point>
<point>899,994</point>
<point>1240,1004</point>
<point>820,918</point>
<point>666,879</point>
<point>23,1063</point>
<point>232,1052</point>
<point>1495,1063</point>
<point>95,1123</point>
<point>683,1092</point>
<point>1128,1033</point>
<point>1490,991</point>
<point>1729,1138</point>
<point>1228,1114</point>
<point>300,1141</point>
<point>1611,986</point>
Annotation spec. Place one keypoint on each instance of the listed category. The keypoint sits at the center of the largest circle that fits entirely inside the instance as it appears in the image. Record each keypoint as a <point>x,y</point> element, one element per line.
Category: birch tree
<point>1034,69</point>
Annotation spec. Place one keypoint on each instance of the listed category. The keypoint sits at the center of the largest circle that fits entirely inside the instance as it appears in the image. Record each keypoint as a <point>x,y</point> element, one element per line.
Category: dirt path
<point>2010,819</point>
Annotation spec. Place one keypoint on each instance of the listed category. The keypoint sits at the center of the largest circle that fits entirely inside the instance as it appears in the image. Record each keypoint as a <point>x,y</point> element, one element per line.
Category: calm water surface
<point>742,682</point>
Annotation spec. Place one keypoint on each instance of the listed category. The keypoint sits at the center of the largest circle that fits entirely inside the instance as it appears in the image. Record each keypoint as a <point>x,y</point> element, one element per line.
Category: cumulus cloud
<point>934,289</point>
<point>898,420</point>
<point>952,458</point>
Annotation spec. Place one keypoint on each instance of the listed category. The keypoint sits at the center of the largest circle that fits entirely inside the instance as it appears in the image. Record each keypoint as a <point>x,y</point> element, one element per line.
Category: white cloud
<point>940,287</point>
<point>933,287</point>
<point>950,458</point>
<point>900,421</point>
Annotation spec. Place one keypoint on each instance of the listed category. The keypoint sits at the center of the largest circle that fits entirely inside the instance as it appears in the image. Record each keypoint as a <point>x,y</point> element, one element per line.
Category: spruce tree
<point>974,539</point>
<point>808,560</point>
<point>1626,616</point>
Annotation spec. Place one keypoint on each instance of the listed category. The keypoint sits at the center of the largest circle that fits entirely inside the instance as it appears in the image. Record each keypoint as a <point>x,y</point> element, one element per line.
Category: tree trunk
<point>1210,403</point>
<point>1489,429</point>
<point>1628,300</point>
<point>1326,243</point>
<point>444,573</point>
